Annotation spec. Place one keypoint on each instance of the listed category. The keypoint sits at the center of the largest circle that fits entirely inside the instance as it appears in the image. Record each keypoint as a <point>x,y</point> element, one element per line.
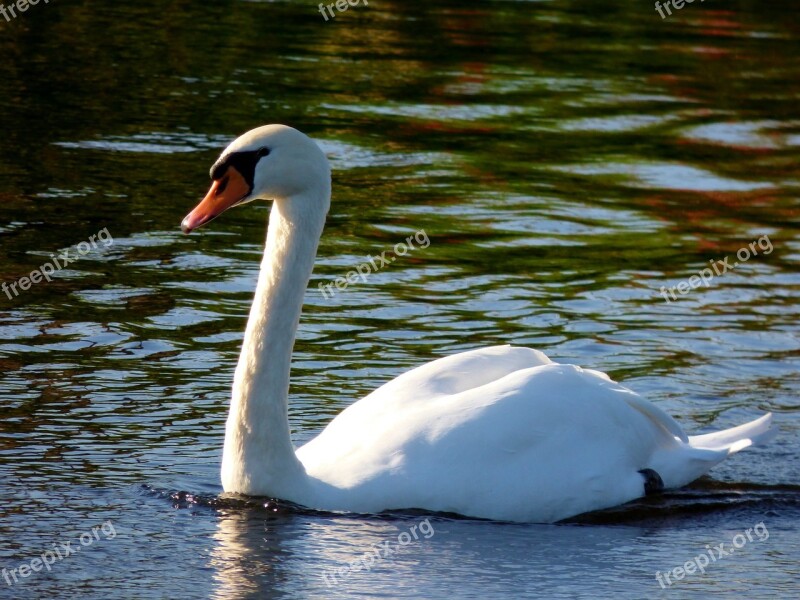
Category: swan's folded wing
<point>658,416</point>
<point>544,442</point>
<point>458,373</point>
<point>433,383</point>
<point>403,407</point>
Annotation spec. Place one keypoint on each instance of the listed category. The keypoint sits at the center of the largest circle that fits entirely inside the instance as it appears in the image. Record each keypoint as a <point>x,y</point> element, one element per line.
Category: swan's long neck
<point>258,457</point>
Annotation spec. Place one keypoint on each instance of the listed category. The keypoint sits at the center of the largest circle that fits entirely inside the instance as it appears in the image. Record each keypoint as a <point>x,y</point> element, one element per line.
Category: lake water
<point>566,161</point>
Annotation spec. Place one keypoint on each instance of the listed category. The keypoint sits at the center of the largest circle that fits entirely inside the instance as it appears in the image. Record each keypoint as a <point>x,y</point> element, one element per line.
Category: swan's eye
<point>262,152</point>
<point>222,185</point>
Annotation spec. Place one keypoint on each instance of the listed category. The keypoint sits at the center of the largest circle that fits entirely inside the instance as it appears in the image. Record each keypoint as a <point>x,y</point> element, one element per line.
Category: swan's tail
<point>738,438</point>
<point>687,462</point>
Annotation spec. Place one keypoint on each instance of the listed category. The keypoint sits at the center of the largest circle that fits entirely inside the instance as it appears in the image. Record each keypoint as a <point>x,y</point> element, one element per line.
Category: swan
<point>498,433</point>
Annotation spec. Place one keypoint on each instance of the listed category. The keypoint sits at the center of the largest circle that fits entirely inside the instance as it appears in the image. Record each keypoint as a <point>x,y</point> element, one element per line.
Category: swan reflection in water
<point>260,549</point>
<point>273,552</point>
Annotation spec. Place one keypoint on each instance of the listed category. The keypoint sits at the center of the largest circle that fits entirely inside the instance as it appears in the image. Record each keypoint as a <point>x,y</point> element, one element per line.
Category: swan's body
<point>501,432</point>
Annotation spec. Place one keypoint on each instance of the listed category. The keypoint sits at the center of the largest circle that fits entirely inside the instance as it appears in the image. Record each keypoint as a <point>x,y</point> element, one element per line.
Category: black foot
<point>653,484</point>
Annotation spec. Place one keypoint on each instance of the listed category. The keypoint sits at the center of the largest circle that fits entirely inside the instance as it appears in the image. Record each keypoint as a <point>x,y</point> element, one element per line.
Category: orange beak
<point>224,193</point>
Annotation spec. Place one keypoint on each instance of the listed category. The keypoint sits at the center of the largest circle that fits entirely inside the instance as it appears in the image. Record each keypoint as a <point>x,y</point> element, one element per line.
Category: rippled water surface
<point>567,161</point>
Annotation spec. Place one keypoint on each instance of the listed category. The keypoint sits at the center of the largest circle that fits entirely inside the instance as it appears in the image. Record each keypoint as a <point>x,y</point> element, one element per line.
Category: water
<point>566,161</point>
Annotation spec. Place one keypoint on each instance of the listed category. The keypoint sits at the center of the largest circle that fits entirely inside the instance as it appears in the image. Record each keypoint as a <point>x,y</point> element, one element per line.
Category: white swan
<point>499,433</point>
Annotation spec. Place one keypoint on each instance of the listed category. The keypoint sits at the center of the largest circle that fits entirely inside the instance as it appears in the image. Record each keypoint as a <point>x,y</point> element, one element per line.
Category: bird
<point>500,433</point>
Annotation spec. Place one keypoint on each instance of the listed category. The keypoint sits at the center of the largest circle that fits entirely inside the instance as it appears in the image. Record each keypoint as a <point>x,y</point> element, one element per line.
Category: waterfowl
<point>498,433</point>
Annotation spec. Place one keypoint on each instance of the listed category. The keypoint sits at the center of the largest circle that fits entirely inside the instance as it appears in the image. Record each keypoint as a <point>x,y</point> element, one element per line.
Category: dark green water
<point>565,159</point>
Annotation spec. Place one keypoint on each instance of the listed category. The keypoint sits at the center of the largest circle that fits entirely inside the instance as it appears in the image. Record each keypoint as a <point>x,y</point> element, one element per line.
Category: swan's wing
<point>430,386</point>
<point>657,416</point>
<point>457,373</point>
<point>540,443</point>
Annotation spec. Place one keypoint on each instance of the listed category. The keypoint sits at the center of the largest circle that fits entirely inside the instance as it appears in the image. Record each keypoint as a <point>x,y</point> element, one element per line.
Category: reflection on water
<point>566,162</point>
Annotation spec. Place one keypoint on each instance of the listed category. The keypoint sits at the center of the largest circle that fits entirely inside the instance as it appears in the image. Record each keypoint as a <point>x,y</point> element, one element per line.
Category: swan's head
<point>273,162</point>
